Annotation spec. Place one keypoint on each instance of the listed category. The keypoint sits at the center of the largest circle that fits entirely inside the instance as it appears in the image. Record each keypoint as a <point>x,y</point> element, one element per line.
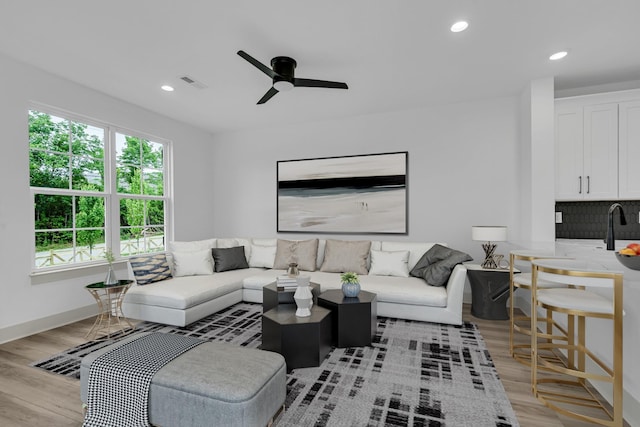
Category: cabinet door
<point>629,145</point>
<point>569,154</point>
<point>600,174</point>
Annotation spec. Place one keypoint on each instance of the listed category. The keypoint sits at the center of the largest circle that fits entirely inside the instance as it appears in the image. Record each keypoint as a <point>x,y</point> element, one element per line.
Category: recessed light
<point>459,26</point>
<point>558,55</point>
<point>167,88</point>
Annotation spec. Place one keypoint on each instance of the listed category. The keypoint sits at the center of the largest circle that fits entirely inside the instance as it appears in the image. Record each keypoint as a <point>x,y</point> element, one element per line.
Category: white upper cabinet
<point>601,151</point>
<point>569,152</point>
<point>629,145</point>
<point>586,140</point>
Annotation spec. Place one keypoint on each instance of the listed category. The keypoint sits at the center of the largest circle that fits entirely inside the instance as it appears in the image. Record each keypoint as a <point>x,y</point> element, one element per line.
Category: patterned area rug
<point>415,374</point>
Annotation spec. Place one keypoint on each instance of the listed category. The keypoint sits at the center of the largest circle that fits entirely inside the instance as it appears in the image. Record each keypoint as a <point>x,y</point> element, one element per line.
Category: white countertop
<point>596,252</point>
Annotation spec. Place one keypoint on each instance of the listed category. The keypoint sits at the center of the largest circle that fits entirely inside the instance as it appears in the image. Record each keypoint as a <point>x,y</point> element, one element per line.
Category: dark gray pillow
<point>226,259</point>
<point>437,263</point>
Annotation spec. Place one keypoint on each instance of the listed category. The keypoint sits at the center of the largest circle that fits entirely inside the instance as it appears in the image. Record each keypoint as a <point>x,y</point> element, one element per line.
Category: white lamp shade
<point>489,233</point>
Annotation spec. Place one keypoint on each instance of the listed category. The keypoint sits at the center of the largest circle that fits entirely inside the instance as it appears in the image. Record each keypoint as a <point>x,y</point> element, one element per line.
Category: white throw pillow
<point>226,243</point>
<point>262,256</point>
<point>192,263</point>
<point>195,245</point>
<point>385,263</point>
<point>416,250</point>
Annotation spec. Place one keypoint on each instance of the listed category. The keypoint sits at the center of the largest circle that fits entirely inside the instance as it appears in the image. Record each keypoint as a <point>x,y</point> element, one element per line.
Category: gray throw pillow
<point>302,252</point>
<point>150,268</point>
<point>437,263</point>
<point>225,259</point>
<point>341,256</point>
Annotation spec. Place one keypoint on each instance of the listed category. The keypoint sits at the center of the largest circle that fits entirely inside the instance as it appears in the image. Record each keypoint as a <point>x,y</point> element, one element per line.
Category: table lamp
<point>489,234</point>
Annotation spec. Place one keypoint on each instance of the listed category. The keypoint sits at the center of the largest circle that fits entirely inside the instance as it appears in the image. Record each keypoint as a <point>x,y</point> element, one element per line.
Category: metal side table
<point>110,319</point>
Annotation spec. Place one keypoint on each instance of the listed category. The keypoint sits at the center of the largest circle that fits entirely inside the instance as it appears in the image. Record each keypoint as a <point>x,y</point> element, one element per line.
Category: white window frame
<point>111,197</point>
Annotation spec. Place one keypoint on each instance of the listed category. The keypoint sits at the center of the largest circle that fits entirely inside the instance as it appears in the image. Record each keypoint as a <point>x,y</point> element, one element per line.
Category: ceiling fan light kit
<point>283,77</point>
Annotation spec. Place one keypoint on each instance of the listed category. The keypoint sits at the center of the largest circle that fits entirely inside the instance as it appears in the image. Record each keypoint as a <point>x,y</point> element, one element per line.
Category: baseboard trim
<point>22,330</point>
<point>630,405</point>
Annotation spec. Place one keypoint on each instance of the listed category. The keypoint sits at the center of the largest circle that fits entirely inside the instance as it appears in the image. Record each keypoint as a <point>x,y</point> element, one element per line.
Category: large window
<point>94,188</point>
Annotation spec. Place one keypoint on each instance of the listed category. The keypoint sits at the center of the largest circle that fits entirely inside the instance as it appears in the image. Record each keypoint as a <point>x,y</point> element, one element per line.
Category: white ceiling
<point>393,54</point>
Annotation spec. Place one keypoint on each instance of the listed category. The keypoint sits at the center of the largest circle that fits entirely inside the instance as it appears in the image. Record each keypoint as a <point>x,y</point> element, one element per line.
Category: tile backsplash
<point>588,220</point>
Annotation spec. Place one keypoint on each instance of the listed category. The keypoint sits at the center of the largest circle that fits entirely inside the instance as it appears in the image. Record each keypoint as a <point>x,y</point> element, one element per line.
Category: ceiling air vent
<point>193,82</point>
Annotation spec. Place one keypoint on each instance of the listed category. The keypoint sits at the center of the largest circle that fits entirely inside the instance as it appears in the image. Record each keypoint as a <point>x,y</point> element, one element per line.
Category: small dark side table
<point>303,341</point>
<point>489,291</point>
<point>355,320</point>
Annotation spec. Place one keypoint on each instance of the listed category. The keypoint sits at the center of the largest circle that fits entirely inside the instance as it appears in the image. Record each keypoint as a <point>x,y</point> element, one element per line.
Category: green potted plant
<point>350,284</point>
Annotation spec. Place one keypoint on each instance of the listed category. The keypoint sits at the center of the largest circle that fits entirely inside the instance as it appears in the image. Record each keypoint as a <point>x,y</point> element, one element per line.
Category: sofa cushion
<point>262,256</point>
<point>343,255</point>
<point>261,279</point>
<point>264,242</point>
<point>188,246</point>
<point>394,263</point>
<point>398,290</point>
<point>225,259</point>
<point>302,252</point>
<point>185,292</point>
<point>192,263</point>
<point>436,264</point>
<point>192,246</point>
<point>150,268</point>
<point>226,243</point>
<point>416,250</point>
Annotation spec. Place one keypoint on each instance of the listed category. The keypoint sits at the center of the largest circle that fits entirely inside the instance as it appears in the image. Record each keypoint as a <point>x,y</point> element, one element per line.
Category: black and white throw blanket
<point>119,380</point>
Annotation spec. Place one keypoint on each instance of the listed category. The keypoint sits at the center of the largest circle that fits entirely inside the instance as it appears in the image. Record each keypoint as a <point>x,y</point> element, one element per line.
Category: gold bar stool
<point>583,299</point>
<point>523,324</point>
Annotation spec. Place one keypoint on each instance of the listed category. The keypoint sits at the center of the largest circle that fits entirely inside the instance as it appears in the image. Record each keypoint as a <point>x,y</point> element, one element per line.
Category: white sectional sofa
<point>187,298</point>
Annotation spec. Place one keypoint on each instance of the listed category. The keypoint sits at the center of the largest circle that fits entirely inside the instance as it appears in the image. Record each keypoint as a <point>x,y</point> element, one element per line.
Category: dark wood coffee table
<point>272,296</point>
<point>303,341</point>
<point>354,319</point>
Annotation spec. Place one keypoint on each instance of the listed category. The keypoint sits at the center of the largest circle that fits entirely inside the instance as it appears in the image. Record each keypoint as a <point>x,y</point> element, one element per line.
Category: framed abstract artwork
<point>363,194</point>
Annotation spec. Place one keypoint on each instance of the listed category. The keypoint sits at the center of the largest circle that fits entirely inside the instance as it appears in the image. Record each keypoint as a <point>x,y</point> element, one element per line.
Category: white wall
<point>463,162</point>
<point>46,301</point>
<point>537,172</point>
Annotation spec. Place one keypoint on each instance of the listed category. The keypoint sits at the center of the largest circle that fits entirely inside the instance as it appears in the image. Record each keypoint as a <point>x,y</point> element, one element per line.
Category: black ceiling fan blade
<point>259,65</point>
<point>319,83</point>
<point>267,96</point>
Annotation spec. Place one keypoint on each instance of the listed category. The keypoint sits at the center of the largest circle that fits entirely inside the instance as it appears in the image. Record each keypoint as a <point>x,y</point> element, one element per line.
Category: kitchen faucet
<point>611,240</point>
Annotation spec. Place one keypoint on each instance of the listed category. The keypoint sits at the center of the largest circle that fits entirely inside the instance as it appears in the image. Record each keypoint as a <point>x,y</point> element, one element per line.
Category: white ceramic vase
<point>303,297</point>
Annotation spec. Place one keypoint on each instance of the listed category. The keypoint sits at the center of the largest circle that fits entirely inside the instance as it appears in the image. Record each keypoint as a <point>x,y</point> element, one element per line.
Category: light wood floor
<point>31,397</point>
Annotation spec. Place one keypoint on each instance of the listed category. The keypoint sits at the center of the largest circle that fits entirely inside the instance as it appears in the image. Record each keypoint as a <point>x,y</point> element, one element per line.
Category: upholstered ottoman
<point>213,384</point>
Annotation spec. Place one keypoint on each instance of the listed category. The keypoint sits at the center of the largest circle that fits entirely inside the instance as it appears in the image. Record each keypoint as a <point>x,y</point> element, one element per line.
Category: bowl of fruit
<point>630,256</point>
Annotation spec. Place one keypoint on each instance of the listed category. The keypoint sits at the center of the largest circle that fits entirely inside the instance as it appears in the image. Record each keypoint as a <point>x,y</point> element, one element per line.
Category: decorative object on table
<point>287,282</point>
<point>489,234</point>
<point>293,271</point>
<point>303,297</point>
<point>350,284</point>
<point>111,278</point>
<point>349,194</point>
<point>501,263</point>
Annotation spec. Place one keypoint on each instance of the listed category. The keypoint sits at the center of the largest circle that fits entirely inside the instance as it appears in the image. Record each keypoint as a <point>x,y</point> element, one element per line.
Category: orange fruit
<point>628,251</point>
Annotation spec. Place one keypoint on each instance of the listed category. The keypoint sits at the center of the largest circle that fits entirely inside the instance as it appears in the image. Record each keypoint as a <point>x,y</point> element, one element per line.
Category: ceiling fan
<point>282,75</point>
